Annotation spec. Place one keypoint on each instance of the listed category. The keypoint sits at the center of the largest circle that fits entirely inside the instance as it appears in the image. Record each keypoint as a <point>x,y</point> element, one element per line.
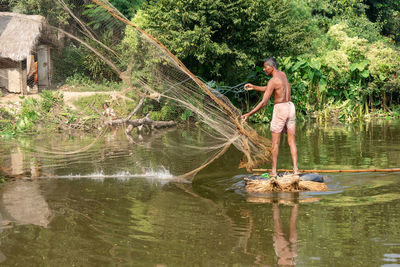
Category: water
<point>104,207</point>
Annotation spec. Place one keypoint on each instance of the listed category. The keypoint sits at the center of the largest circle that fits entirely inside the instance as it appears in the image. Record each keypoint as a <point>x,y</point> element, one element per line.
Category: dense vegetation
<point>342,57</point>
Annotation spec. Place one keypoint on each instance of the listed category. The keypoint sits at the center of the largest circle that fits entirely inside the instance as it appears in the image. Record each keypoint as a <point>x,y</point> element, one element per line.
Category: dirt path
<point>69,97</point>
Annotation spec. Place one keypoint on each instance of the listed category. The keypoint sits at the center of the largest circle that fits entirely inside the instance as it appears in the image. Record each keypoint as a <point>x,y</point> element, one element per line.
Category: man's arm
<point>249,86</point>
<point>268,92</point>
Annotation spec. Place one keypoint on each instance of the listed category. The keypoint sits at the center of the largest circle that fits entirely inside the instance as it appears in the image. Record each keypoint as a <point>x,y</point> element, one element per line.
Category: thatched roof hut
<point>19,34</point>
<point>25,43</point>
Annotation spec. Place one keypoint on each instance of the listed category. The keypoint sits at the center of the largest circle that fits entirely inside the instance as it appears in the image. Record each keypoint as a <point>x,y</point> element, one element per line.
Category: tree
<point>223,39</point>
<point>127,7</point>
<point>4,5</point>
<point>386,12</point>
<point>53,13</point>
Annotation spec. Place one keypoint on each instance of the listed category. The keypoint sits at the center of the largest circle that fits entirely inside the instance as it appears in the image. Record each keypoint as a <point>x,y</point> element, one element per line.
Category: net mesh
<point>146,67</point>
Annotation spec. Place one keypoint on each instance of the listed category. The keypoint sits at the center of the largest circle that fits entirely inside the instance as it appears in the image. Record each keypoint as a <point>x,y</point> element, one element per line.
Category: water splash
<point>160,174</point>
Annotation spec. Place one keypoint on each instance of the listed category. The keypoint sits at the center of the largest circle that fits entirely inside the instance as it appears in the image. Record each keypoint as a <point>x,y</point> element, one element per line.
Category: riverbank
<point>51,110</point>
<point>70,108</point>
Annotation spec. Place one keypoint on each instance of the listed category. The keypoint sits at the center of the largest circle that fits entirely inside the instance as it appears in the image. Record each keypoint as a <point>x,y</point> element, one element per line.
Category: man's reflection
<point>285,249</point>
<point>252,241</point>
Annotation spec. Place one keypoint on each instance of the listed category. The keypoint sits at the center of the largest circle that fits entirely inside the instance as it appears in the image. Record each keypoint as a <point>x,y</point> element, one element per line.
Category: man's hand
<point>245,117</point>
<point>248,87</point>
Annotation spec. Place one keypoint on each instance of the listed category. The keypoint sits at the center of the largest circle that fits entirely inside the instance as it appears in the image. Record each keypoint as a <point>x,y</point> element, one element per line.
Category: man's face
<point>268,69</point>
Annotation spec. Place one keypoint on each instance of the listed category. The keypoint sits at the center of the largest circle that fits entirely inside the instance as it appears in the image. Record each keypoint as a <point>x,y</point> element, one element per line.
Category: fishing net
<point>148,69</point>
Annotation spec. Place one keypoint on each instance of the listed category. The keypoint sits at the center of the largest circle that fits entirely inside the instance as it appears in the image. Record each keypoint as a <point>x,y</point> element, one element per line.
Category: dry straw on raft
<point>287,183</point>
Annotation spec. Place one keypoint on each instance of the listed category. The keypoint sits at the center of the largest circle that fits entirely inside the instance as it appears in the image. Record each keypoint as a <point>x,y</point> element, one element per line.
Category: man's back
<point>282,90</point>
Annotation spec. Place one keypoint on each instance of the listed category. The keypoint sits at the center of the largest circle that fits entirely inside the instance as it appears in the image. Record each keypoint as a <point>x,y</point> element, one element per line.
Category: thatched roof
<point>19,34</point>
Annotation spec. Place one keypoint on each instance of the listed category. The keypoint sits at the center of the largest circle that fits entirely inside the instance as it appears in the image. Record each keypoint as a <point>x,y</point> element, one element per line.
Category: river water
<point>101,207</point>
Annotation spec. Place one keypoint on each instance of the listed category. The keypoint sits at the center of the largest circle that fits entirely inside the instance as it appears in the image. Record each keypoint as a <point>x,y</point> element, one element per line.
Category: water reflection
<point>19,164</point>
<point>17,159</point>
<point>284,243</point>
<point>245,220</point>
<point>285,247</point>
<point>23,203</point>
<point>106,206</point>
<point>2,256</point>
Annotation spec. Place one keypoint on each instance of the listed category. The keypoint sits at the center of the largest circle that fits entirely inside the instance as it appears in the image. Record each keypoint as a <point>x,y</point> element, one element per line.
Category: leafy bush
<point>50,99</point>
<point>28,115</point>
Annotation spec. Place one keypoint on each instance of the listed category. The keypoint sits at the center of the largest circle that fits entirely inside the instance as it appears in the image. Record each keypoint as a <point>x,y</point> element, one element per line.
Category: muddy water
<point>104,207</point>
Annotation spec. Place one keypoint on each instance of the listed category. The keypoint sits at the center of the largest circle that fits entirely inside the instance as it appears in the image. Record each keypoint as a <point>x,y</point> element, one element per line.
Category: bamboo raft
<point>286,183</point>
<point>294,183</point>
<point>329,171</point>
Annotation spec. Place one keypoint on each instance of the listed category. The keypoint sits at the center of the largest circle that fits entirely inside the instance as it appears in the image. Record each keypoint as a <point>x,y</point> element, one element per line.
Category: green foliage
<point>96,67</point>
<point>36,115</point>
<point>220,40</point>
<point>339,56</point>
<point>50,99</point>
<point>99,17</point>
<point>54,14</point>
<point>186,115</point>
<point>347,79</point>
<point>386,12</point>
<point>81,83</point>
<point>7,119</point>
<point>121,109</point>
<point>76,61</point>
<point>127,7</point>
<point>67,62</point>
<point>28,115</point>
<point>165,111</point>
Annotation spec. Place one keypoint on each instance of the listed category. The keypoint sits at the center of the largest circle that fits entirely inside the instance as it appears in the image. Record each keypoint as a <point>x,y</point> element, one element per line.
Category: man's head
<point>269,65</point>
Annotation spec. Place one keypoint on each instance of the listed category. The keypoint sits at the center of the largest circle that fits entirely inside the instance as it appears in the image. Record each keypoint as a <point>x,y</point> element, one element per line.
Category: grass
<point>80,83</point>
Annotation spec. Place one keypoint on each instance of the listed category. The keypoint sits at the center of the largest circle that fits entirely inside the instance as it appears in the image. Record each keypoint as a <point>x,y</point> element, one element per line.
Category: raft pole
<point>328,171</point>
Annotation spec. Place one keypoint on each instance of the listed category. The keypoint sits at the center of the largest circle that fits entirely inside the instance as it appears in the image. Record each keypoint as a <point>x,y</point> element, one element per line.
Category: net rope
<point>146,67</point>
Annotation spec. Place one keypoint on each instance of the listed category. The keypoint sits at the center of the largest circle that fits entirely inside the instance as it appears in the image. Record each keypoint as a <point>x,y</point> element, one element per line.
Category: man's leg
<point>293,151</point>
<point>276,138</point>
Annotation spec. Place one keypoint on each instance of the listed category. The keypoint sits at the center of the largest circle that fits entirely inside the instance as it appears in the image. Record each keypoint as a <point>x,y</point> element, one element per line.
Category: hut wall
<point>5,66</point>
<point>43,53</point>
<point>13,79</point>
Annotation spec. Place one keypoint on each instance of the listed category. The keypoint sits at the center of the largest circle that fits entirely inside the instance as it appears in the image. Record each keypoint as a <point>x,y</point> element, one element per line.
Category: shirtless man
<point>284,115</point>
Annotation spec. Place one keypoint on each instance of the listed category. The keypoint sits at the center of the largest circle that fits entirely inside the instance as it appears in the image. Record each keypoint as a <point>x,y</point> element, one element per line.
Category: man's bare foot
<point>296,172</point>
<point>273,175</point>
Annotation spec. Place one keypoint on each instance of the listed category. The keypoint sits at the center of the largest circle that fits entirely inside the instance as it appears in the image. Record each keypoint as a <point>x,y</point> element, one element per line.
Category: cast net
<point>147,68</point>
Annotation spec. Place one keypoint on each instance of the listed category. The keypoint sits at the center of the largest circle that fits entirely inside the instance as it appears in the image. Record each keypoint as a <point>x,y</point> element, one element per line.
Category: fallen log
<point>146,121</point>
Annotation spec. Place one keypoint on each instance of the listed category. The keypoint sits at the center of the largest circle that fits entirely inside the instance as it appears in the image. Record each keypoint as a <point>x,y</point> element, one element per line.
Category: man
<point>284,115</point>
